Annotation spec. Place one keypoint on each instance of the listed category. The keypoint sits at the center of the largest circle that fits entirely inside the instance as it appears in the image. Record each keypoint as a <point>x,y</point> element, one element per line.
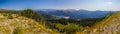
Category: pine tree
<point>33,15</point>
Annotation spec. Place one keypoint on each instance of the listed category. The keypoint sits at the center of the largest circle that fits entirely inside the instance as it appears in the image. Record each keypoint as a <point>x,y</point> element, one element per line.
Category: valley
<point>34,22</point>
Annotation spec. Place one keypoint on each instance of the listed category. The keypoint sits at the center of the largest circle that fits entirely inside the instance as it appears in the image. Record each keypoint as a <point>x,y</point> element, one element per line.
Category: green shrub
<point>60,27</point>
<point>9,16</point>
<point>18,30</point>
<point>71,28</point>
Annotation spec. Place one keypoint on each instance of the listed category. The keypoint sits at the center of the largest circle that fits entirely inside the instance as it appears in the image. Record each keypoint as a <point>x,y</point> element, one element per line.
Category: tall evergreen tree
<point>33,15</point>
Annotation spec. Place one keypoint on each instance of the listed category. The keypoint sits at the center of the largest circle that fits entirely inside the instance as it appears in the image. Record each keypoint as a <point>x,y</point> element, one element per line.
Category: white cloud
<point>109,3</point>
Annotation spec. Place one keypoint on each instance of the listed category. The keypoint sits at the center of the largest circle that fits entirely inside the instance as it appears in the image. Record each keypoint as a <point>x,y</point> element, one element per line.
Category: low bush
<point>9,16</point>
<point>18,30</point>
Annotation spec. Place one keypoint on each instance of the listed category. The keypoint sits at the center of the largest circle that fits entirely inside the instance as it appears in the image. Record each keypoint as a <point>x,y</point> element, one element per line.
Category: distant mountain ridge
<point>76,14</point>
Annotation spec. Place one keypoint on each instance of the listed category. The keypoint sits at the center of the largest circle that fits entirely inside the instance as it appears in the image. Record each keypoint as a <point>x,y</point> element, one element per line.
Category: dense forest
<point>62,25</point>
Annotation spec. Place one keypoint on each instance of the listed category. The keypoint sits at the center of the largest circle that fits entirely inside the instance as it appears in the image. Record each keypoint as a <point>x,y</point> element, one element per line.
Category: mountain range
<point>75,14</point>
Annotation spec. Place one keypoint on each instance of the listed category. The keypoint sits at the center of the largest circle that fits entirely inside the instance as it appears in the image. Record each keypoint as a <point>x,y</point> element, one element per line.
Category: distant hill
<point>110,25</point>
<point>76,14</point>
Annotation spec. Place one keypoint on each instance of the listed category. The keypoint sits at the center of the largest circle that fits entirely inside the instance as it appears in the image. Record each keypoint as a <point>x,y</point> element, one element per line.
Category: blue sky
<point>61,4</point>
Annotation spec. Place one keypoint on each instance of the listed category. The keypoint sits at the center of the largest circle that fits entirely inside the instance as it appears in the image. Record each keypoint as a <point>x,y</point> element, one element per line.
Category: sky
<point>61,4</point>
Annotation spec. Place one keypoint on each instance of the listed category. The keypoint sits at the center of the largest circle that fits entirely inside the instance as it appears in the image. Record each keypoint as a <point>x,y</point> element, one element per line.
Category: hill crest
<point>26,25</point>
<point>110,25</point>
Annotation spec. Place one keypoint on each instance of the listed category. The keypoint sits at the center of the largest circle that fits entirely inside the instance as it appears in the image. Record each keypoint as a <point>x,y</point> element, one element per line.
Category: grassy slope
<point>7,26</point>
<point>107,26</point>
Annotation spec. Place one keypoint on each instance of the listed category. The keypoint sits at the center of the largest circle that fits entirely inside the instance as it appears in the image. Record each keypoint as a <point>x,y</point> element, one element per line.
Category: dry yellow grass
<point>7,26</point>
<point>98,27</point>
